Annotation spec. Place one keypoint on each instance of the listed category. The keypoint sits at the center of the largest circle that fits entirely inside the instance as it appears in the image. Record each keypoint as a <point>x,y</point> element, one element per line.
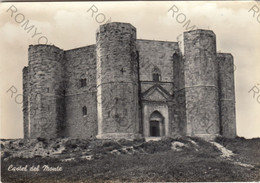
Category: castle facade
<point>123,87</point>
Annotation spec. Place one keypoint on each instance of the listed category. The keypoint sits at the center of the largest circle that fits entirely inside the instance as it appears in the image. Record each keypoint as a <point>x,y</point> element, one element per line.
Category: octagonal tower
<point>46,96</point>
<point>117,81</point>
<point>201,83</point>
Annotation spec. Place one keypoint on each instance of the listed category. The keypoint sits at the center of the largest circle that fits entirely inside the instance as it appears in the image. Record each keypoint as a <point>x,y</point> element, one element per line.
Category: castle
<point>123,87</point>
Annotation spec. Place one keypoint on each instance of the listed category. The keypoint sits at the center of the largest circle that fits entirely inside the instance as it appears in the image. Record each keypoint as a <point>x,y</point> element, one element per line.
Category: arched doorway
<point>157,127</point>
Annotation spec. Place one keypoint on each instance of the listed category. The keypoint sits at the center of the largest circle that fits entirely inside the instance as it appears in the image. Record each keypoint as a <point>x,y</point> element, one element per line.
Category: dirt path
<point>226,153</point>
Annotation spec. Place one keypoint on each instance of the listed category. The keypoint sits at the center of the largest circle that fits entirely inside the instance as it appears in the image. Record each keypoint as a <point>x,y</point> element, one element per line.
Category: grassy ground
<point>159,164</point>
<point>247,151</point>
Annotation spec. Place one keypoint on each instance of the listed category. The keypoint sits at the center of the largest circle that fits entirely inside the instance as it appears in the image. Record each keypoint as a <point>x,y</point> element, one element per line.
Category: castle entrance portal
<point>157,127</point>
<point>154,129</point>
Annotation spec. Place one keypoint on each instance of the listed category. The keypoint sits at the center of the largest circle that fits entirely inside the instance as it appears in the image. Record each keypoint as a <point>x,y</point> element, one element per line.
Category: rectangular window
<point>83,82</point>
<point>156,77</point>
<point>84,111</point>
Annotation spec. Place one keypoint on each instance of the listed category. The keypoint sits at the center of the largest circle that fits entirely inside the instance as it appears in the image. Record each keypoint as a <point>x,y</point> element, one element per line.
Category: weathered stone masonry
<point>123,87</point>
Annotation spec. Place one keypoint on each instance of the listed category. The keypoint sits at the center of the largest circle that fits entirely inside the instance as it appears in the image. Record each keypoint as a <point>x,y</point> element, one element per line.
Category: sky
<point>71,25</point>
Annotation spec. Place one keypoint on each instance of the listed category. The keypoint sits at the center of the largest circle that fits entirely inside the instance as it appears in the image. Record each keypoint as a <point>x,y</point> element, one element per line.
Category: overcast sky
<point>69,25</point>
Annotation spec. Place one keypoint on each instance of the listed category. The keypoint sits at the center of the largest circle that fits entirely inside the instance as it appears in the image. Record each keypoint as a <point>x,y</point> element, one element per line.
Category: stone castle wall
<point>81,64</point>
<point>156,54</point>
<point>195,92</point>
<point>159,54</point>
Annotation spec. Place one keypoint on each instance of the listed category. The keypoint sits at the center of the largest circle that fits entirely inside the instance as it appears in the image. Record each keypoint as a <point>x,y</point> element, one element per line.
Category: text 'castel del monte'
<point>123,87</point>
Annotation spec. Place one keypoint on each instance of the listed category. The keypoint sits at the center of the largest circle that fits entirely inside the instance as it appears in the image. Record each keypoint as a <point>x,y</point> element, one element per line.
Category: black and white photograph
<point>130,91</point>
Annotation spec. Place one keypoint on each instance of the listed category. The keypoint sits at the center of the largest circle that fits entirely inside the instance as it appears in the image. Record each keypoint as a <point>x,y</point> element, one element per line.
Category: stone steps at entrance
<point>152,138</point>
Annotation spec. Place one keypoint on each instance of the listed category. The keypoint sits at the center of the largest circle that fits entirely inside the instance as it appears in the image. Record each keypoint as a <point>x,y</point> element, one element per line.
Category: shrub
<point>72,143</point>
<point>40,139</point>
<point>111,144</point>
<point>139,140</point>
<point>125,142</point>
<point>156,146</point>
